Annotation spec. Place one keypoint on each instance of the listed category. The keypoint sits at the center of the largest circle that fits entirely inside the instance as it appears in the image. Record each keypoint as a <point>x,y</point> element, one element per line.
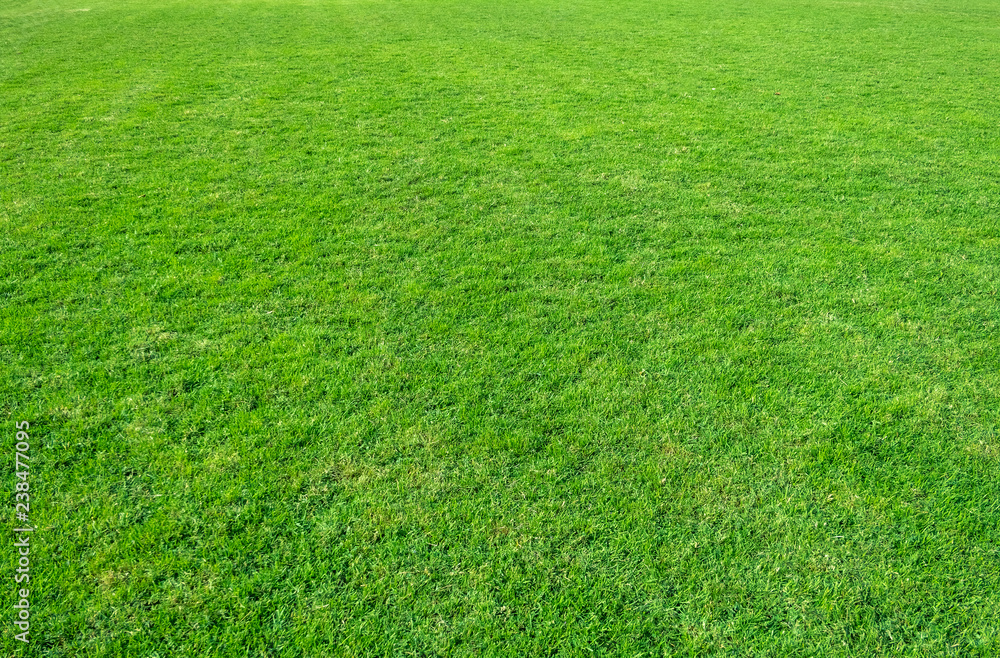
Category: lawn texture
<point>506,328</point>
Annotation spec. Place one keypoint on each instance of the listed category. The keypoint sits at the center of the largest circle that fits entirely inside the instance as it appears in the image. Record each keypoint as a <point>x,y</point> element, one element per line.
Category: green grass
<point>506,328</point>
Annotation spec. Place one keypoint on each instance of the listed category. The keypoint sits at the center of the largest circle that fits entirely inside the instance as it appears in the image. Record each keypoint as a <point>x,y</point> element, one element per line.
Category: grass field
<point>506,328</point>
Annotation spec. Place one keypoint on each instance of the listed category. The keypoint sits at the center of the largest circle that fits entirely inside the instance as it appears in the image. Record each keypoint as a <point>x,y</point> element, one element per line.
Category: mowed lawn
<point>503,327</point>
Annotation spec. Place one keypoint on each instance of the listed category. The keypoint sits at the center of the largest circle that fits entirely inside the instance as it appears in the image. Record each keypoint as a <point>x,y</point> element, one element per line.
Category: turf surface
<point>520,327</point>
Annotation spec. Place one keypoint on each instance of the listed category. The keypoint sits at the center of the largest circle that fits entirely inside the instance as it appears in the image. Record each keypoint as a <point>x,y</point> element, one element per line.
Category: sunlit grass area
<point>508,328</point>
